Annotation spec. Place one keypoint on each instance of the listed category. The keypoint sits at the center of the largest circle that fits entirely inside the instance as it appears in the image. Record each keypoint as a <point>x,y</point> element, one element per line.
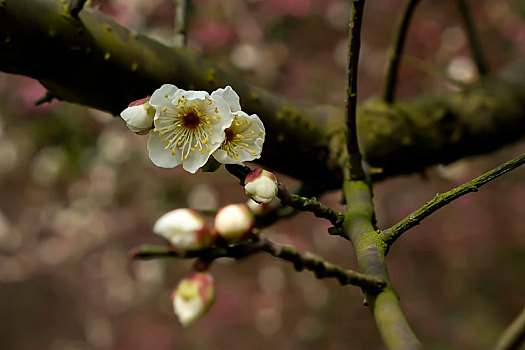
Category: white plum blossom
<point>244,138</point>
<point>230,96</point>
<point>193,297</point>
<point>234,221</point>
<point>139,116</point>
<point>189,127</point>
<point>261,186</point>
<point>184,229</point>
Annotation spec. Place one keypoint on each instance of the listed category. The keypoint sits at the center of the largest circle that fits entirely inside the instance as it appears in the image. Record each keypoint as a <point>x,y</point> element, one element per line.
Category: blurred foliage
<point>78,191</point>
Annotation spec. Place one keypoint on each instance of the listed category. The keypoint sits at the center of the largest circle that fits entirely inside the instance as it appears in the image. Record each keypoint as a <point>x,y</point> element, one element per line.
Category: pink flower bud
<point>261,186</point>
<point>234,221</point>
<point>139,116</point>
<point>193,297</point>
<point>184,229</point>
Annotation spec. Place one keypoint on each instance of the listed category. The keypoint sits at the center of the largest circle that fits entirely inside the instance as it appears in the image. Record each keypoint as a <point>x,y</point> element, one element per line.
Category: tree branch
<point>311,205</point>
<point>98,63</point>
<point>181,15</point>
<point>370,251</point>
<point>475,44</point>
<point>440,200</point>
<point>514,334</point>
<point>301,261</point>
<point>394,60</point>
<point>354,45</point>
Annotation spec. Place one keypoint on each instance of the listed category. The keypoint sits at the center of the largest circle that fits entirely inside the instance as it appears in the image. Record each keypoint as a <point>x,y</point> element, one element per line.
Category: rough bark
<point>98,63</point>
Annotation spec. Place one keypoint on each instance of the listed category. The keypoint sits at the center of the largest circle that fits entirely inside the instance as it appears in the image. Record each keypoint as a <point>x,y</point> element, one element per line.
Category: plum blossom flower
<point>139,116</point>
<point>189,127</point>
<point>261,186</point>
<point>244,138</point>
<point>234,221</point>
<point>229,96</point>
<point>184,229</point>
<point>193,297</point>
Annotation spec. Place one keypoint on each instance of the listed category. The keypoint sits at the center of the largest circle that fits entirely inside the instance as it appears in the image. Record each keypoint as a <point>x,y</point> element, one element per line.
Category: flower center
<point>230,135</point>
<point>190,120</point>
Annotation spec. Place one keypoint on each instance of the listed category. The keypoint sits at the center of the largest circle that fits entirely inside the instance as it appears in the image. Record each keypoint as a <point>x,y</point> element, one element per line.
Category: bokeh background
<point>78,192</point>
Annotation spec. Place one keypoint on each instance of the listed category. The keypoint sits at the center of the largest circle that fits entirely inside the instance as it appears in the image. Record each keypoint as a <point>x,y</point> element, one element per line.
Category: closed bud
<point>193,297</point>
<point>261,186</point>
<point>257,208</point>
<point>184,229</point>
<point>139,116</point>
<point>233,222</point>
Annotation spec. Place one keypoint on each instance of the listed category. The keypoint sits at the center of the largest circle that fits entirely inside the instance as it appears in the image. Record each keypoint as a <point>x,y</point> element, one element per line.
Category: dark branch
<point>440,200</point>
<point>69,59</point>
<point>301,261</point>
<point>475,44</point>
<point>311,205</point>
<point>394,60</point>
<point>354,45</point>
<point>75,6</point>
<point>181,15</point>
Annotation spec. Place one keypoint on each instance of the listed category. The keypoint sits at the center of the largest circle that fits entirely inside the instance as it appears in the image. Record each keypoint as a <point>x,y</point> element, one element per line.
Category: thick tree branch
<point>95,62</point>
<point>370,251</point>
<point>301,261</point>
<point>440,200</point>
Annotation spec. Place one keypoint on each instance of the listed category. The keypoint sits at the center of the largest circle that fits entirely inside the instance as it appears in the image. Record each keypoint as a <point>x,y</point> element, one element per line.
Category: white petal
<point>222,157</point>
<point>188,310</point>
<point>196,160</point>
<point>137,118</point>
<point>159,156</point>
<point>195,95</point>
<point>158,98</point>
<point>219,125</point>
<point>229,96</point>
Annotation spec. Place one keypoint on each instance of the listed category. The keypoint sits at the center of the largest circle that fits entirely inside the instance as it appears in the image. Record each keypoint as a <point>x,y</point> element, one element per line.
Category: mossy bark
<point>98,63</point>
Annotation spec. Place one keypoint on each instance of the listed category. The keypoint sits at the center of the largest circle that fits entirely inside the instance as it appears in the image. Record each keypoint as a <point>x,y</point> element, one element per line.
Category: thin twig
<point>394,60</point>
<point>293,200</point>
<point>513,335</point>
<point>440,200</point>
<point>45,98</point>
<point>354,44</point>
<point>74,7</point>
<point>181,15</point>
<point>475,45</point>
<point>310,204</point>
<point>301,261</point>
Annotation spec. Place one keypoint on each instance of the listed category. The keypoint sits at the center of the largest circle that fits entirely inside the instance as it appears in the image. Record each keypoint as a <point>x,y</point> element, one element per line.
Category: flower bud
<point>261,186</point>
<point>234,221</point>
<point>184,229</point>
<point>139,116</point>
<point>257,208</point>
<point>193,297</point>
